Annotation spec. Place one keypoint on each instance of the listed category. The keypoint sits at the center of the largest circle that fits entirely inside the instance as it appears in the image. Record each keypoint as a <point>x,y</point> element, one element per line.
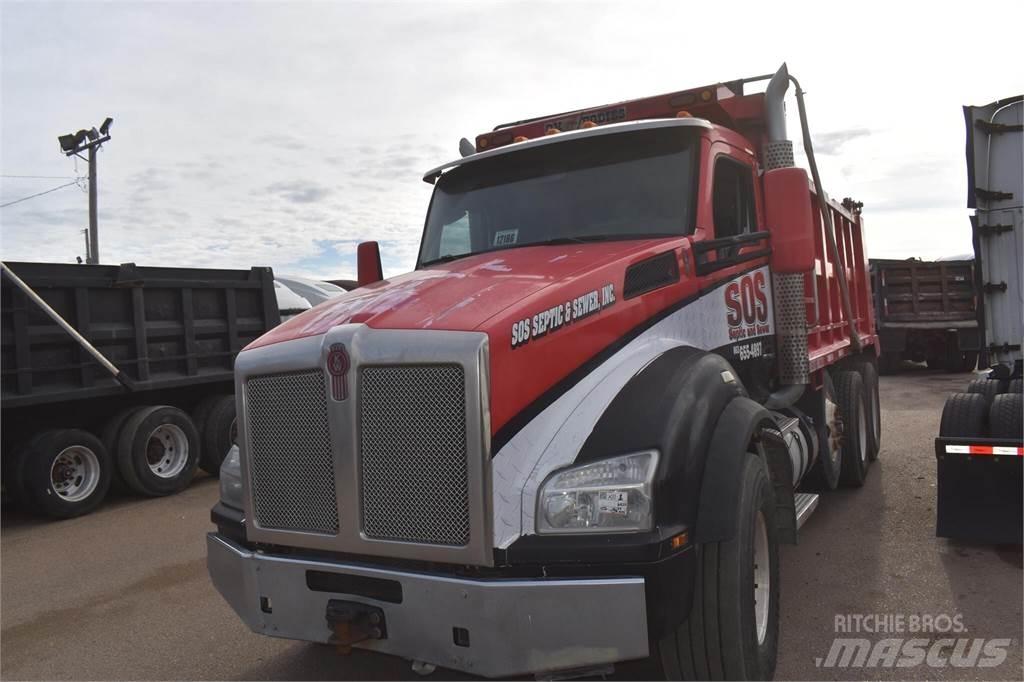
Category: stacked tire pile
<point>991,408</point>
<point>148,450</point>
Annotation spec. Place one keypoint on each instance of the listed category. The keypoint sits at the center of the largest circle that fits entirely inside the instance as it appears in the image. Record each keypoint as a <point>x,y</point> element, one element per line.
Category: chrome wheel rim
<point>75,473</point>
<point>167,451</point>
<point>762,578</point>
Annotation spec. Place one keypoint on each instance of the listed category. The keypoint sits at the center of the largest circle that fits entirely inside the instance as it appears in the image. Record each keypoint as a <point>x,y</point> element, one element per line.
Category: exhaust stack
<point>778,150</point>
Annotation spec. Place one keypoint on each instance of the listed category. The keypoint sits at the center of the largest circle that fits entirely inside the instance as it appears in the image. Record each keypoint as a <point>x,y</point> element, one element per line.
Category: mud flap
<point>980,495</point>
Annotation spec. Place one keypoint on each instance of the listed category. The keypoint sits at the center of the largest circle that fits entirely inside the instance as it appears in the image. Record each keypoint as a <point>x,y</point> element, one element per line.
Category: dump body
<point>927,311</point>
<point>165,328</point>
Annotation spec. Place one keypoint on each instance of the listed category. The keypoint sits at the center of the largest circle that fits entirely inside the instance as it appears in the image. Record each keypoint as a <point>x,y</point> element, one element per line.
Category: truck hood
<point>457,296</point>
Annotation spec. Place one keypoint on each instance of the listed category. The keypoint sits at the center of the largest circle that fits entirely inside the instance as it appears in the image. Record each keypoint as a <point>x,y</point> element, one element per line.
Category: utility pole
<point>94,232</point>
<point>73,145</point>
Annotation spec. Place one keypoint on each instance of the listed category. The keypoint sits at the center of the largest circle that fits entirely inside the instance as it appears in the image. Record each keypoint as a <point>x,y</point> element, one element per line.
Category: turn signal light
<point>679,541</point>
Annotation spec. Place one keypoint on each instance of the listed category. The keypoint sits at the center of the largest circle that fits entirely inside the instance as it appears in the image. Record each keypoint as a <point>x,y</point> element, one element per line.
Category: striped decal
<point>984,450</point>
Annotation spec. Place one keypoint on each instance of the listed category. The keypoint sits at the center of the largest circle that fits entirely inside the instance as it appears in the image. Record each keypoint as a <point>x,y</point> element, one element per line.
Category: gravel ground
<point>123,593</point>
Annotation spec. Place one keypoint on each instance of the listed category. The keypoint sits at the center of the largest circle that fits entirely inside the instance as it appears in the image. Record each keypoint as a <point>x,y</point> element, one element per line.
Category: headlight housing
<point>610,496</point>
<point>231,479</point>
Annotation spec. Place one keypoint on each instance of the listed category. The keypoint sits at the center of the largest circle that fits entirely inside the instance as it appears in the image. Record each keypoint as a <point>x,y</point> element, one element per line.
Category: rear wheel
<point>853,411</point>
<point>733,627</point>
<point>66,472</point>
<point>219,433</point>
<point>109,436</point>
<point>1005,416</point>
<point>964,416</point>
<point>869,375</point>
<point>157,451</point>
<point>987,388</point>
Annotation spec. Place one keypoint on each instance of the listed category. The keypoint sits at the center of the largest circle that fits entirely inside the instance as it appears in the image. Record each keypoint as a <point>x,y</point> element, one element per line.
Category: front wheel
<point>733,628</point>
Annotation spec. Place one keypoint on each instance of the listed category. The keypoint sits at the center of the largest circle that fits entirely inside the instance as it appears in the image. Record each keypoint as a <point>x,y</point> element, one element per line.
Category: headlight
<point>231,479</point>
<point>610,496</point>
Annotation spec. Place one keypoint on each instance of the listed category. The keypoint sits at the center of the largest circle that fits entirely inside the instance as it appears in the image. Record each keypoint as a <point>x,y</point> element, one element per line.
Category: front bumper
<point>514,627</point>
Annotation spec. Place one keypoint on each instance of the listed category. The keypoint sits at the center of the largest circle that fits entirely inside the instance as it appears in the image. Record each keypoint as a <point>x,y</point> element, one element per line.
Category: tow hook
<point>351,622</point>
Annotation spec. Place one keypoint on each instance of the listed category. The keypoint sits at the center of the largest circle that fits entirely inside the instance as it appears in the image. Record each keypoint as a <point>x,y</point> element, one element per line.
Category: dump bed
<point>915,294</point>
<point>162,327</point>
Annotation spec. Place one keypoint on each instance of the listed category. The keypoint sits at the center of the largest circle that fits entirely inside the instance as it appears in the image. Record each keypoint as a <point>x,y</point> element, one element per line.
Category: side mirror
<point>368,263</point>
<point>789,215</point>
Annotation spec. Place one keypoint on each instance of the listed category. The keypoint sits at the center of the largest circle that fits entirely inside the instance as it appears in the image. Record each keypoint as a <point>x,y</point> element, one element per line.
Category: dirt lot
<point>123,593</point>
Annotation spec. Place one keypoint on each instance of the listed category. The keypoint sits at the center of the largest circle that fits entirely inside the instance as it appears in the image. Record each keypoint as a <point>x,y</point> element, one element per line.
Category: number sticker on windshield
<point>506,237</point>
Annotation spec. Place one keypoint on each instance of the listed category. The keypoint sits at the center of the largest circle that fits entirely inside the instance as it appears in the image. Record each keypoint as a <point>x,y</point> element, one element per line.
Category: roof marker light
<point>684,114</point>
<point>588,124</point>
<point>520,138</point>
<point>552,131</point>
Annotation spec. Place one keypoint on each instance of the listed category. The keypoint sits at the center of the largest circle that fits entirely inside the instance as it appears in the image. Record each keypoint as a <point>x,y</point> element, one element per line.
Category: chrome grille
<point>414,479</point>
<point>290,461</point>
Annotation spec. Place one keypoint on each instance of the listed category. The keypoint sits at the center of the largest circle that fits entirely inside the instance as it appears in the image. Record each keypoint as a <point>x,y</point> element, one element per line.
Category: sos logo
<point>746,303</point>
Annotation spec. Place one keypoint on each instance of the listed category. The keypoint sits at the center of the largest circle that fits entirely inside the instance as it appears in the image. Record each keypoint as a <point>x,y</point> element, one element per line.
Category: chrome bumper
<point>515,626</point>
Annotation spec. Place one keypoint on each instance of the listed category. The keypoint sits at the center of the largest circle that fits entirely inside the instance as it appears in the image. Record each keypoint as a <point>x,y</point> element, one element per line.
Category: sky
<point>284,134</point>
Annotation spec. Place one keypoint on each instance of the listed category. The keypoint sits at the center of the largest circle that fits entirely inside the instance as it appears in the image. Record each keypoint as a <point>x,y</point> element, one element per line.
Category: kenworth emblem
<point>337,367</point>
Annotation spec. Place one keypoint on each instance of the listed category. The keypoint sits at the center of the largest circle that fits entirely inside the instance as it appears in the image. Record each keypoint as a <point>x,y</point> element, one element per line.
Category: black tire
<point>987,388</point>
<point>869,375</point>
<point>1015,386</point>
<point>719,640</point>
<point>856,441</point>
<point>109,436</point>
<point>14,478</point>
<point>219,432</point>
<point>140,444</point>
<point>824,473</point>
<point>965,415</point>
<point>201,412</point>
<point>82,468</point>
<point>1005,418</point>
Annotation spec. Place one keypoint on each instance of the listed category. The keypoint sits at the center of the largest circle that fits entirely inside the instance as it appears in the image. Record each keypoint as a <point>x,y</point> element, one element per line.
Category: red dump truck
<point>636,341</point>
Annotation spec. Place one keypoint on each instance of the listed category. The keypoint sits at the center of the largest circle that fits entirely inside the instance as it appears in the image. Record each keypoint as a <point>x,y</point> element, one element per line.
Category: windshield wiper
<point>448,258</point>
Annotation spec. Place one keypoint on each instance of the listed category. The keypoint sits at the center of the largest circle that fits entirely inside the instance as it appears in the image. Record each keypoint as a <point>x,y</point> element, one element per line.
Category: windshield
<point>618,186</point>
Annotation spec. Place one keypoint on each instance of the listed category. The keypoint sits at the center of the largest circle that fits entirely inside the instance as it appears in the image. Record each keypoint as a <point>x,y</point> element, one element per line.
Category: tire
<point>987,388</point>
<point>726,636</point>
<point>1015,386</point>
<point>219,433</point>
<point>109,436</point>
<point>869,375</point>
<point>158,451</point>
<point>201,412</point>
<point>965,415</point>
<point>855,442</point>
<point>824,473</point>
<point>1005,419</point>
<point>14,478</point>
<point>66,472</point>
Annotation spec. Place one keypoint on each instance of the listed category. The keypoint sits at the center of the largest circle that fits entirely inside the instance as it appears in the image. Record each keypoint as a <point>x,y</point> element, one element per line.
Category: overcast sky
<point>284,134</point>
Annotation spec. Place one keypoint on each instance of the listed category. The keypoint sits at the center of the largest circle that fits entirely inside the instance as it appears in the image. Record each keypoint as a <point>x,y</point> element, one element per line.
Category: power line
<point>39,177</point>
<point>33,196</point>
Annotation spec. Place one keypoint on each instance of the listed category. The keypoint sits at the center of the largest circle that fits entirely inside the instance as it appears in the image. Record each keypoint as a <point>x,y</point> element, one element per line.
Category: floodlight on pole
<point>73,144</point>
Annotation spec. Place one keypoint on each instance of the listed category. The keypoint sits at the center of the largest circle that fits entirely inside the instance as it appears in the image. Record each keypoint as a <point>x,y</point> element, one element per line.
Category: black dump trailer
<point>926,311</point>
<point>118,375</point>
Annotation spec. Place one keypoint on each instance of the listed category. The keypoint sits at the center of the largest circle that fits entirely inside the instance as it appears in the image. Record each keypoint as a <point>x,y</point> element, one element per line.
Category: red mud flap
<point>980,490</point>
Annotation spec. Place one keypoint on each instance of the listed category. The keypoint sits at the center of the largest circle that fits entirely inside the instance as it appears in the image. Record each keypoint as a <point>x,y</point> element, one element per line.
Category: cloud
<point>832,143</point>
<point>299,192</point>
